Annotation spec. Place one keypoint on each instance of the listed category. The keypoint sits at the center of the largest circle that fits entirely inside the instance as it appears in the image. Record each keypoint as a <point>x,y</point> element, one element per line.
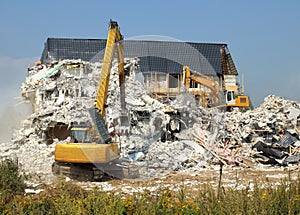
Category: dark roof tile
<point>155,56</point>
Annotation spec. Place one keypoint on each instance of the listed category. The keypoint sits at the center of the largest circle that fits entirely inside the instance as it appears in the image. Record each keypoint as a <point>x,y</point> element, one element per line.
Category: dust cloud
<point>10,120</point>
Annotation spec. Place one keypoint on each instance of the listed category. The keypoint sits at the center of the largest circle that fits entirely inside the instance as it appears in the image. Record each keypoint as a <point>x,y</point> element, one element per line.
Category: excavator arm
<point>212,85</point>
<point>201,79</point>
<point>114,37</point>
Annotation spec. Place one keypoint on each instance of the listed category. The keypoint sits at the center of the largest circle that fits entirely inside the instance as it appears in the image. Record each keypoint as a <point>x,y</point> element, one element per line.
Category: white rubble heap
<point>62,91</point>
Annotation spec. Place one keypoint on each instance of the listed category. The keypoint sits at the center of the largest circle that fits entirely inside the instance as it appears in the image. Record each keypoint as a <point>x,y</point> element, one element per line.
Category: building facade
<point>160,62</point>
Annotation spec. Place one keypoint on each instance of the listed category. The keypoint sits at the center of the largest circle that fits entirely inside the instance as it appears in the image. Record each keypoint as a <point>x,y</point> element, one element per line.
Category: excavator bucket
<point>124,123</point>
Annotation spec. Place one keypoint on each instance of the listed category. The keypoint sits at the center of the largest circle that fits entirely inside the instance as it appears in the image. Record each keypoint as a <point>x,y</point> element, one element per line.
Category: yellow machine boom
<point>114,38</point>
<point>199,78</point>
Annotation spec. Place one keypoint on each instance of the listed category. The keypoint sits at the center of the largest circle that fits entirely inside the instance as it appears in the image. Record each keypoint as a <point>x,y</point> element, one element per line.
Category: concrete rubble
<point>178,136</point>
<point>272,130</point>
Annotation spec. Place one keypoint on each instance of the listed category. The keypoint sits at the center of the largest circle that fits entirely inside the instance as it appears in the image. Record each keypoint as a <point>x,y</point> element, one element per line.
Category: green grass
<point>68,198</point>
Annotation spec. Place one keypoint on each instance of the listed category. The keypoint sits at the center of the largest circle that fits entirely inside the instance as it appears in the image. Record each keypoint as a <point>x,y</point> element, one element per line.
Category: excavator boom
<point>114,36</point>
<point>201,79</point>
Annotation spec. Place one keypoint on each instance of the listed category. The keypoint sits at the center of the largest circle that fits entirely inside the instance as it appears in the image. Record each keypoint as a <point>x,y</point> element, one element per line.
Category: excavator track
<point>95,172</point>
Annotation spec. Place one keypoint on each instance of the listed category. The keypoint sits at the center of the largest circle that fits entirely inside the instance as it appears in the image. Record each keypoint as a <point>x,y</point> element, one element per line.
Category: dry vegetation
<point>69,198</point>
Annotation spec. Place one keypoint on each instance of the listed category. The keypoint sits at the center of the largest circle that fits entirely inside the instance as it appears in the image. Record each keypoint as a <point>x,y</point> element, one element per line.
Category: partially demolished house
<point>160,62</point>
<point>63,85</point>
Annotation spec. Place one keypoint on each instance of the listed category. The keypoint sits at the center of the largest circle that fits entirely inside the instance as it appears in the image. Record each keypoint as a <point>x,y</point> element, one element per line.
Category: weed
<point>69,198</point>
<point>11,179</point>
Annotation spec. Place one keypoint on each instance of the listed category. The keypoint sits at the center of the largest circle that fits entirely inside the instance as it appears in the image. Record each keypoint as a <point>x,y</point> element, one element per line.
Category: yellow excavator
<point>205,98</point>
<point>92,155</point>
<point>237,99</point>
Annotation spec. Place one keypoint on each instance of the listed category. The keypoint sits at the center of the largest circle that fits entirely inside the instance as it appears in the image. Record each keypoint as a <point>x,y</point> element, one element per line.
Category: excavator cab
<point>230,97</point>
<point>240,101</point>
<point>80,132</point>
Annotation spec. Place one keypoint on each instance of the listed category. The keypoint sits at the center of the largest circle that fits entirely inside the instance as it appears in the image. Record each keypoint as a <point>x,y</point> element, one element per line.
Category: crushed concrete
<point>178,136</point>
<point>272,130</point>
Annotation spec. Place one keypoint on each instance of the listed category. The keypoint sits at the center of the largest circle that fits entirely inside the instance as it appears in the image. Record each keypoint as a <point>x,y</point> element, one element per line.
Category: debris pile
<point>179,136</point>
<point>272,130</point>
<point>61,93</point>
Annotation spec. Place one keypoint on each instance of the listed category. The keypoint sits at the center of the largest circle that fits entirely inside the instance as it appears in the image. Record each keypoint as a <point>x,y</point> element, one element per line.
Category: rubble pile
<point>61,93</point>
<point>179,136</point>
<point>272,131</point>
<point>156,150</point>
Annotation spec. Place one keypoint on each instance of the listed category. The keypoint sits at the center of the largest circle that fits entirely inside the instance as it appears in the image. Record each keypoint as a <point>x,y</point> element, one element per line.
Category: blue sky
<point>262,36</point>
